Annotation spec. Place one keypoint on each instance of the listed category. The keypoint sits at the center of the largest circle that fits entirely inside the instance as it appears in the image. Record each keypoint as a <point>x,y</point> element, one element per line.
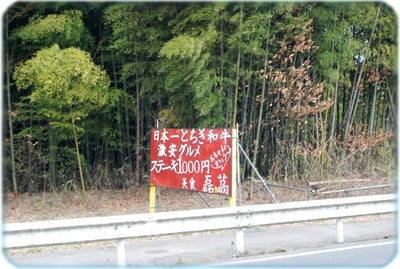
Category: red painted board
<point>192,159</point>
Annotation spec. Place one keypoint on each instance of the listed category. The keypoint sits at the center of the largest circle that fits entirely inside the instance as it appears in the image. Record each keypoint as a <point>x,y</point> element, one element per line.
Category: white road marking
<point>308,253</point>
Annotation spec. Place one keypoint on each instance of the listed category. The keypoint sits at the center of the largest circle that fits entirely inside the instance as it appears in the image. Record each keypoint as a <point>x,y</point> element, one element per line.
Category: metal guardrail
<point>119,228</point>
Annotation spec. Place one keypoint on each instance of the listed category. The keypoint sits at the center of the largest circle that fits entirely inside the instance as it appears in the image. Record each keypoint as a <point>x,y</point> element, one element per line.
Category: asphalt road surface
<point>365,254</point>
<point>372,243</point>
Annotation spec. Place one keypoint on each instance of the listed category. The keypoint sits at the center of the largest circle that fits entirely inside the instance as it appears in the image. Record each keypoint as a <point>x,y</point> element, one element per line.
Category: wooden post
<point>232,198</point>
<point>152,199</point>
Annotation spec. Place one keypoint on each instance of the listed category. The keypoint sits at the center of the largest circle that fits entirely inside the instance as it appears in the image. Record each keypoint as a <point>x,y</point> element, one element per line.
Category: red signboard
<point>192,159</point>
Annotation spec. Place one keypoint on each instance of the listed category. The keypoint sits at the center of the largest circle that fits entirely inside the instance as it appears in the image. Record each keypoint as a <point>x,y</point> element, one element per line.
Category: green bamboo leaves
<point>63,81</point>
<point>65,86</point>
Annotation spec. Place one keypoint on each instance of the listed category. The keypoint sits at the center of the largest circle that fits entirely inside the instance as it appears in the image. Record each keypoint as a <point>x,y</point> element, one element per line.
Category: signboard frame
<point>205,153</point>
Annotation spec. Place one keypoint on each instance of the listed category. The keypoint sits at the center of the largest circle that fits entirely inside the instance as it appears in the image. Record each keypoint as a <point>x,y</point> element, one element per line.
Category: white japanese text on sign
<point>191,159</point>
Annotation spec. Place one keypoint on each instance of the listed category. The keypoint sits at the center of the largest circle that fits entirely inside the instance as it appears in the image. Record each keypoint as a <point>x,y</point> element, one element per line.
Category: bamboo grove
<point>311,86</point>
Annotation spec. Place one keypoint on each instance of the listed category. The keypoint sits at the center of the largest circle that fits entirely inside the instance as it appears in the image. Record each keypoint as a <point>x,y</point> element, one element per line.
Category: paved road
<point>220,247</point>
<point>365,254</point>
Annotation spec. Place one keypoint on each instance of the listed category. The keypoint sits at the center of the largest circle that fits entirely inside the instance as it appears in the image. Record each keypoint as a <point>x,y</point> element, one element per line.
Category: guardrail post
<point>339,230</point>
<point>240,240</point>
<point>121,260</point>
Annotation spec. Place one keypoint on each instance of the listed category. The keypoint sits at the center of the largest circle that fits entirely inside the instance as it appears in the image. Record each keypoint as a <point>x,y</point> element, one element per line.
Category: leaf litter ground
<point>70,204</point>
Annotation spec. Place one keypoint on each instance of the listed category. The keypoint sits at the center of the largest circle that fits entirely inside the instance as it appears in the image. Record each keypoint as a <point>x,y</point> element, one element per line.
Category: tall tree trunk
<point>78,157</point>
<point>335,106</point>
<point>371,121</point>
<point>137,175</point>
<point>246,118</point>
<point>249,129</point>
<point>260,113</point>
<point>53,146</point>
<point>9,108</point>
<point>237,71</point>
<point>374,93</point>
<point>222,65</point>
<point>127,126</point>
<point>353,104</point>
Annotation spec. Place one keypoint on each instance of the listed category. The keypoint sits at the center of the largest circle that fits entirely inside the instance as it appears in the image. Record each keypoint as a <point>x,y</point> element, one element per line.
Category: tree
<point>65,29</point>
<point>191,76</point>
<point>66,86</point>
<point>137,33</point>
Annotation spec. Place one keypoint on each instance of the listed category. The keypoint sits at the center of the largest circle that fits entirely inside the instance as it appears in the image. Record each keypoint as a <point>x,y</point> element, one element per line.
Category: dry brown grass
<point>70,204</point>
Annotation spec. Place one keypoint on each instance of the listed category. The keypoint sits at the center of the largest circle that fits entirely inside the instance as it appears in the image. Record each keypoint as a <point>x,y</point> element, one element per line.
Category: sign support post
<point>232,198</point>
<point>153,194</point>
